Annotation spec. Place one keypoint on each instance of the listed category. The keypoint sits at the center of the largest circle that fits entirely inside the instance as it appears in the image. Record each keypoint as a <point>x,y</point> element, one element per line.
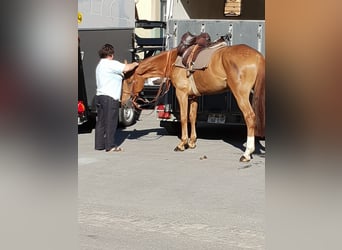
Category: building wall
<point>106,14</point>
<point>148,10</point>
<point>214,9</point>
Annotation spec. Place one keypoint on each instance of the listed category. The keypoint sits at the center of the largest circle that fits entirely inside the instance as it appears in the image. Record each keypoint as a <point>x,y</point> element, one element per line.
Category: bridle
<point>133,97</point>
<point>163,88</point>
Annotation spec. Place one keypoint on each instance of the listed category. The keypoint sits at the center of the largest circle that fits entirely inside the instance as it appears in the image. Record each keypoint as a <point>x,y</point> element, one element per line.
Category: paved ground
<point>150,197</point>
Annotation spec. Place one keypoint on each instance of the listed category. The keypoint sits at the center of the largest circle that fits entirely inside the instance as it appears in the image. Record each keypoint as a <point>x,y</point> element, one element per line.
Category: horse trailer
<point>245,26</point>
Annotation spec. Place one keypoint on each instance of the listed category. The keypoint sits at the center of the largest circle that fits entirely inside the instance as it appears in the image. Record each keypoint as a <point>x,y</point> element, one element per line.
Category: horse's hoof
<point>186,146</point>
<point>244,159</point>
<point>178,149</point>
<point>192,147</point>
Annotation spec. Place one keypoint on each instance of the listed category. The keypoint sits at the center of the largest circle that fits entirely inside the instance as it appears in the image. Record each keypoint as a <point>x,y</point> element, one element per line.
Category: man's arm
<point>130,66</point>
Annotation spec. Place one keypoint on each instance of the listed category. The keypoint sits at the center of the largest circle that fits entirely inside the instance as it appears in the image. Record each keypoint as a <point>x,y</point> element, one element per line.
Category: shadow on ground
<point>233,135</point>
<point>122,134</point>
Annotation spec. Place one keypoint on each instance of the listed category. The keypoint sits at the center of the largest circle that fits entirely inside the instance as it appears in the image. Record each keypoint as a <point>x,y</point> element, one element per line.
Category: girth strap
<point>193,85</point>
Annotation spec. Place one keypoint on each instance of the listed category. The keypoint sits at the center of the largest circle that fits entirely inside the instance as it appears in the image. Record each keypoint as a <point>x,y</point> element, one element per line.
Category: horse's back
<point>242,51</point>
<point>236,57</point>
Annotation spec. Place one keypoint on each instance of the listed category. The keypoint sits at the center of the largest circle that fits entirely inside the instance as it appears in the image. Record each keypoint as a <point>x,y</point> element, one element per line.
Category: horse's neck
<point>157,66</point>
<point>154,73</point>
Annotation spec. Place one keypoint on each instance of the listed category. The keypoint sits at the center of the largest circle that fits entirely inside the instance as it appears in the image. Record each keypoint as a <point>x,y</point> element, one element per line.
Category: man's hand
<point>130,66</point>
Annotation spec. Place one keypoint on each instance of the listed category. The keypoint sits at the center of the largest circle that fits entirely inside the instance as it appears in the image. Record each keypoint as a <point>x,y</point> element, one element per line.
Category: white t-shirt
<point>109,74</point>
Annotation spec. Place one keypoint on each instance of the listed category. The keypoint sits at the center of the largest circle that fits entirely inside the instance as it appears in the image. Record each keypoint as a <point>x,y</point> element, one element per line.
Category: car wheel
<point>128,114</point>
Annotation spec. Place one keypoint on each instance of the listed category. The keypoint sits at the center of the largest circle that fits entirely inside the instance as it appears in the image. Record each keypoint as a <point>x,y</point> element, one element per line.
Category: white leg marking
<point>249,147</point>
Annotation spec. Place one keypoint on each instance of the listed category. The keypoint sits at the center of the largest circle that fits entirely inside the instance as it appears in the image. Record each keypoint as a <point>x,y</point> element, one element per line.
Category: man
<point>109,75</point>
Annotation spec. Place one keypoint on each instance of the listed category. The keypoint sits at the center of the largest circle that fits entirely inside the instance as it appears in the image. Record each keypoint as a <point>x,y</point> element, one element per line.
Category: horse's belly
<point>207,85</point>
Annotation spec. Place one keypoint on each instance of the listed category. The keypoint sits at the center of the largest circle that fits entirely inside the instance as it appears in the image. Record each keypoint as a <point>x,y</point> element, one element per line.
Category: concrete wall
<point>149,10</point>
<point>115,14</point>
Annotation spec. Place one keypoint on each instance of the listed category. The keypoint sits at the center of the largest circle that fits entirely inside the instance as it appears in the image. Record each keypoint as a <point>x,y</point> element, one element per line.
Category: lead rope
<point>161,91</point>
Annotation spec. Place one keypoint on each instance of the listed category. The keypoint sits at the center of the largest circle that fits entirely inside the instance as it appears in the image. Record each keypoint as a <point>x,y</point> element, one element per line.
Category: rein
<point>161,91</point>
<point>135,99</point>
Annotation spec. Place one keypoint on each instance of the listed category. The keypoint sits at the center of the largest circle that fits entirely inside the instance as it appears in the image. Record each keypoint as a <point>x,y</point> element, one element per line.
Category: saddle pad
<point>203,57</point>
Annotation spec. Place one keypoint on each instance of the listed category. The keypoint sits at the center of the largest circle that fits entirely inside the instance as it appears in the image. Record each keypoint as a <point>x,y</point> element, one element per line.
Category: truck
<point>101,22</point>
<point>239,22</point>
<point>83,112</point>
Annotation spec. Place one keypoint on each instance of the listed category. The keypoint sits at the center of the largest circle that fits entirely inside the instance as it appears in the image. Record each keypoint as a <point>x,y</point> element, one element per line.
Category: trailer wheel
<point>128,114</point>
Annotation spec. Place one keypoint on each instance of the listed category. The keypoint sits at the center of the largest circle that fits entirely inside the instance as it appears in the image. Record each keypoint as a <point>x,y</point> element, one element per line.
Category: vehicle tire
<point>128,114</point>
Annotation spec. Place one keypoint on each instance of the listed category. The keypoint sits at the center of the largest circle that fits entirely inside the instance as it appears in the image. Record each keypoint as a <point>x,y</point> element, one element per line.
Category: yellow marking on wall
<point>79,17</point>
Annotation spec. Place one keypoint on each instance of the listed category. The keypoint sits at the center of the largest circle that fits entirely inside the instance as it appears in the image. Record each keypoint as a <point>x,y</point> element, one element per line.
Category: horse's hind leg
<point>249,116</point>
<point>182,98</point>
<point>192,118</point>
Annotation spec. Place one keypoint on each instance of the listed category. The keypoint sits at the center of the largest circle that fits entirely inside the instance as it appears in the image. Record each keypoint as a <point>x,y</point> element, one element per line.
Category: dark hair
<point>106,50</point>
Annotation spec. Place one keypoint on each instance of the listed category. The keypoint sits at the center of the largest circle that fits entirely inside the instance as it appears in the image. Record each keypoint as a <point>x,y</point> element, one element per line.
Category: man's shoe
<point>115,149</point>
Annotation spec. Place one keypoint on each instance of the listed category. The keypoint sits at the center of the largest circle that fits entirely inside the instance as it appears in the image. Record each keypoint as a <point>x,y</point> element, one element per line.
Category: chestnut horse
<point>238,68</point>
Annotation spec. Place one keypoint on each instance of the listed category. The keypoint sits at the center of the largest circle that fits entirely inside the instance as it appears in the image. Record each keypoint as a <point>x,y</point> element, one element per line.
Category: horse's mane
<point>155,64</point>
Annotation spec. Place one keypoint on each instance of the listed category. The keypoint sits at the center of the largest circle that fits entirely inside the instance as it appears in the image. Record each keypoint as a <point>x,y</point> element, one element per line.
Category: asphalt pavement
<point>150,197</point>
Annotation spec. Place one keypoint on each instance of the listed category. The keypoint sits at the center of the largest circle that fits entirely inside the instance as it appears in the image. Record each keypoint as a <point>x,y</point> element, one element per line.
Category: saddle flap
<point>202,58</point>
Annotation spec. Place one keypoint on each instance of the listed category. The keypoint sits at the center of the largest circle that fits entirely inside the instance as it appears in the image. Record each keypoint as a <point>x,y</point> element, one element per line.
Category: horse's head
<point>132,85</point>
<point>127,87</point>
<point>154,66</point>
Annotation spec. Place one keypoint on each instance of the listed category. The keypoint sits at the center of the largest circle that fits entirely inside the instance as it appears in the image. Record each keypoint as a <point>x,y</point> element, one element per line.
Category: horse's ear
<point>125,61</point>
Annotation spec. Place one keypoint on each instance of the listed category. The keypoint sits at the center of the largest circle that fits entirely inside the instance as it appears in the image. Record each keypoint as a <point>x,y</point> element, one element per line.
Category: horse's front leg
<point>192,118</point>
<point>183,105</point>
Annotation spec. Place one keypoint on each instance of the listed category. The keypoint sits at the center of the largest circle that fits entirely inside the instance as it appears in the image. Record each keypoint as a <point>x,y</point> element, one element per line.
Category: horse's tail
<point>259,99</point>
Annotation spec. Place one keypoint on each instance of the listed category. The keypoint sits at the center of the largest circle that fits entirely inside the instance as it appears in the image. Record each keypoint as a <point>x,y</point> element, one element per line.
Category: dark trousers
<point>106,122</point>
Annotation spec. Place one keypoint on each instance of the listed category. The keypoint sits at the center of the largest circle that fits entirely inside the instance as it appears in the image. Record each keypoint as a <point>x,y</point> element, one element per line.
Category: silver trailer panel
<point>250,32</point>
<point>219,108</point>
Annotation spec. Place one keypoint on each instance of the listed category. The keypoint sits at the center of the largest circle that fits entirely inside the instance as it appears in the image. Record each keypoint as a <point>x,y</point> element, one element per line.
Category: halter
<point>161,91</point>
<point>133,97</point>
